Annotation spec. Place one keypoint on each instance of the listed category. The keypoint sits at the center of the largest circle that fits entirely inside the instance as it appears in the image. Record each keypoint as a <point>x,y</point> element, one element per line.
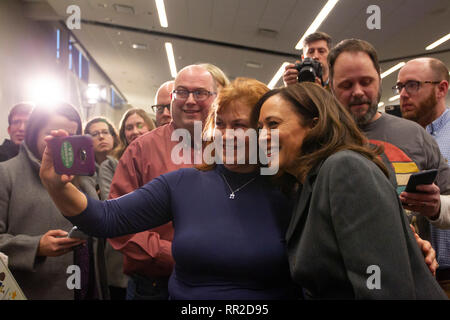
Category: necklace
<point>232,194</point>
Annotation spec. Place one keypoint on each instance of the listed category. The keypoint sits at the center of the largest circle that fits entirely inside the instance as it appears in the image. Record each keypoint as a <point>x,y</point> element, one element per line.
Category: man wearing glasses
<point>423,85</point>
<point>148,255</point>
<point>17,120</point>
<point>162,103</point>
<point>355,81</point>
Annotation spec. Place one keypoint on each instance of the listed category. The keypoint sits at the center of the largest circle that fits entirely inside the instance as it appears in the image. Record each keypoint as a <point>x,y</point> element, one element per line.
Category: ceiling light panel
<point>121,8</point>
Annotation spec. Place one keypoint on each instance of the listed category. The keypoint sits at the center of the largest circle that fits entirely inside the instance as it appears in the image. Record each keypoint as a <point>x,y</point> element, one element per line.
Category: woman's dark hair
<point>333,128</point>
<point>112,130</point>
<point>123,139</point>
<point>39,118</point>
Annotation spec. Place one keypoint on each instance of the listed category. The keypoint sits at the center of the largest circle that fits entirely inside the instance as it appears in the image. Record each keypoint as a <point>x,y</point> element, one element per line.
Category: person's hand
<point>427,203</point>
<point>54,243</point>
<point>290,74</point>
<point>427,251</point>
<point>49,178</point>
<point>318,81</point>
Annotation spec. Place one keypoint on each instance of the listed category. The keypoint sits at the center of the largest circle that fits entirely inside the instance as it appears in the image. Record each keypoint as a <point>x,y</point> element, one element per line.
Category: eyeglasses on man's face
<point>96,134</point>
<point>410,86</point>
<point>159,108</point>
<point>199,94</point>
<point>18,122</point>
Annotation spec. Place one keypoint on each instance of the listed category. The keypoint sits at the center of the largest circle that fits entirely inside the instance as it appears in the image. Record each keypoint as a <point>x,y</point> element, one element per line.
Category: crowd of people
<point>335,210</point>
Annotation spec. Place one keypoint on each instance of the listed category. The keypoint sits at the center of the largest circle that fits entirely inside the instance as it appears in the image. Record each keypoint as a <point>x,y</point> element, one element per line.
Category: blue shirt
<point>223,248</point>
<point>440,239</point>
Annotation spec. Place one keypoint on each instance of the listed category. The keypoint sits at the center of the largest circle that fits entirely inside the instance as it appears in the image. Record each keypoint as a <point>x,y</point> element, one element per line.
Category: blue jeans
<point>143,288</point>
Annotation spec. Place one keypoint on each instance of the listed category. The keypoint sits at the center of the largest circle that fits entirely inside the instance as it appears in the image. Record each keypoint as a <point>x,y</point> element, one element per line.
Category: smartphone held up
<point>419,178</point>
<point>73,155</point>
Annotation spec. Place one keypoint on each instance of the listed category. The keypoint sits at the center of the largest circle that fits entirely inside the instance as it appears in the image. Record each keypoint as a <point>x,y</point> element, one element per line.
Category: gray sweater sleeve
<point>21,249</point>
<point>105,176</point>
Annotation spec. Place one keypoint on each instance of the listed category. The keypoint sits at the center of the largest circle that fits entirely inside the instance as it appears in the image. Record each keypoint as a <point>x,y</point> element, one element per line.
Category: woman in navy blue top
<point>229,221</point>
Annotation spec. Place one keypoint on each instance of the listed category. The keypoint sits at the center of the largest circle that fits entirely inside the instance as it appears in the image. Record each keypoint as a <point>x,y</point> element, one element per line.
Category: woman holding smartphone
<point>32,233</point>
<point>229,220</point>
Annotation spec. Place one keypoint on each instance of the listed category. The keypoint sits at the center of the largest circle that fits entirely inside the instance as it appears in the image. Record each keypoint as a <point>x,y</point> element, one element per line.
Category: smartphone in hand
<point>73,155</point>
<point>423,177</point>
<point>77,234</point>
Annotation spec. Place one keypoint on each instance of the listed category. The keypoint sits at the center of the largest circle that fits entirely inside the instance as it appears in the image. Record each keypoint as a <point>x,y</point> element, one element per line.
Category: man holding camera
<point>316,47</point>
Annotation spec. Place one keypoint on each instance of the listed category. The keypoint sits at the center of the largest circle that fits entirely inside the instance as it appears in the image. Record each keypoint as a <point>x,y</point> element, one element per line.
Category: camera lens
<point>83,155</point>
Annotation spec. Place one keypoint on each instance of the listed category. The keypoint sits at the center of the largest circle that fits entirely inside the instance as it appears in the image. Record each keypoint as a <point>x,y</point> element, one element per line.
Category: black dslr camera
<point>308,70</point>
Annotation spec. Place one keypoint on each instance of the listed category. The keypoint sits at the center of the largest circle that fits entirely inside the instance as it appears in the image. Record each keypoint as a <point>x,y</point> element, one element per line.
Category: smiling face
<point>186,111</point>
<point>356,84</point>
<point>134,127</point>
<point>278,114</point>
<point>233,123</point>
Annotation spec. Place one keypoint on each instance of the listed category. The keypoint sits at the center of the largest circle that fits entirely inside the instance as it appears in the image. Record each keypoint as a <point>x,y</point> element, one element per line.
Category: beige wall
<point>26,51</point>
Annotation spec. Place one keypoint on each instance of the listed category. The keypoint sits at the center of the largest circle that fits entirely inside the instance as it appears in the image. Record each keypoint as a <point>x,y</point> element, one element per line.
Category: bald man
<point>162,103</point>
<point>148,255</point>
<point>423,85</point>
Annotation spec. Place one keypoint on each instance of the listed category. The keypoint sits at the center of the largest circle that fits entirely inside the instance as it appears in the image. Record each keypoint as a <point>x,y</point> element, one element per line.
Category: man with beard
<point>408,148</point>
<point>423,85</point>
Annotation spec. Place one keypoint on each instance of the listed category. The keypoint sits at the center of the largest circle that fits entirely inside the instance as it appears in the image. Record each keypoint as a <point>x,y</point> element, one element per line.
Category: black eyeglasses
<point>410,86</point>
<point>96,134</point>
<point>199,94</point>
<point>159,108</point>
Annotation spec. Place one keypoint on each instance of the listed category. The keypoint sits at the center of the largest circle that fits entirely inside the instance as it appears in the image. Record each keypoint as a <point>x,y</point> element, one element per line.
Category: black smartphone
<point>73,155</point>
<point>423,177</point>
<point>394,110</point>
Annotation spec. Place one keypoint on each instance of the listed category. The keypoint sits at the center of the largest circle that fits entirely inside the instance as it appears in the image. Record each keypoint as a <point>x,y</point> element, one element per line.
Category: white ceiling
<point>231,33</point>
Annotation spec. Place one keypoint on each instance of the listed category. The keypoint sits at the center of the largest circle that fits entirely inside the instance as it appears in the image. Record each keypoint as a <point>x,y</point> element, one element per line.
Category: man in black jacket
<point>17,120</point>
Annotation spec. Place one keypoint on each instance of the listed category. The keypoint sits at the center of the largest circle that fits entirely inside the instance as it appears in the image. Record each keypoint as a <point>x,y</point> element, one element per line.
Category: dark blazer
<point>348,219</point>
<point>8,150</point>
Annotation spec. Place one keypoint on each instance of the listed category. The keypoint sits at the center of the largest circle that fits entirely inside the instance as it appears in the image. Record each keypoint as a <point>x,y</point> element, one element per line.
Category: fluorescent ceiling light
<point>171,58</point>
<point>317,22</point>
<point>439,42</point>
<point>255,65</point>
<point>394,98</point>
<point>391,70</point>
<point>162,13</point>
<point>139,46</point>
<point>277,76</point>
